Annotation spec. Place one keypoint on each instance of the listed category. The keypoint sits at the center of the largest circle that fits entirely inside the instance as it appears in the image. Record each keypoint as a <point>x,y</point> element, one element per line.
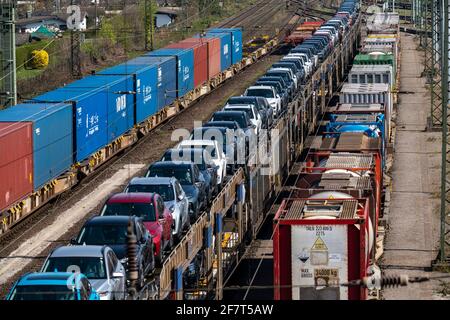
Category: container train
<point>67,133</point>
<point>326,228</point>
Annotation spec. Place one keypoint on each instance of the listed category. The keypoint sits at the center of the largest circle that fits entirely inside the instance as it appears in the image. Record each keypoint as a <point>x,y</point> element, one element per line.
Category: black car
<point>112,231</point>
<point>241,117</point>
<point>286,77</point>
<point>263,110</point>
<point>201,158</point>
<point>190,178</point>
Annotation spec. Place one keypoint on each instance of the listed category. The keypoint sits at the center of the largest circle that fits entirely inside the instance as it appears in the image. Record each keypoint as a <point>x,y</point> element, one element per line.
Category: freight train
<point>216,239</point>
<point>67,133</point>
<point>327,227</point>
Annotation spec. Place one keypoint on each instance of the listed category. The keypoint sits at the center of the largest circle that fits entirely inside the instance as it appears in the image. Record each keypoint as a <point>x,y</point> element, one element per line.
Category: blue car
<point>53,286</point>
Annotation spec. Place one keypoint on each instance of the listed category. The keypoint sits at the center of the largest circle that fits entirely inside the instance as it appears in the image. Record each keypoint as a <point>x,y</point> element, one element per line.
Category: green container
<point>366,59</point>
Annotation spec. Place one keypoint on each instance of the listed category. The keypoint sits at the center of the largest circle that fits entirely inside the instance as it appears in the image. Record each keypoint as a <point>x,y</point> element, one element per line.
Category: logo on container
<point>159,77</point>
<point>138,86</point>
<point>147,93</point>
<point>121,103</point>
<point>38,131</point>
<point>225,49</point>
<point>186,74</point>
<point>92,124</point>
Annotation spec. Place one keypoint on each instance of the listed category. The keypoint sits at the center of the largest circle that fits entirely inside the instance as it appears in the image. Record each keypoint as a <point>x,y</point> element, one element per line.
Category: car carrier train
<point>200,215</point>
<point>326,229</point>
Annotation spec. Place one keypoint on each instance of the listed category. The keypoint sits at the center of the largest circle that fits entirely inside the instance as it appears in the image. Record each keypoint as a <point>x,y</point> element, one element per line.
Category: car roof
<point>261,87</point>
<point>231,113</point>
<point>46,278</point>
<point>152,180</point>
<point>215,124</point>
<point>242,98</point>
<point>140,197</point>
<point>196,143</point>
<point>78,251</point>
<point>171,164</point>
<point>241,106</point>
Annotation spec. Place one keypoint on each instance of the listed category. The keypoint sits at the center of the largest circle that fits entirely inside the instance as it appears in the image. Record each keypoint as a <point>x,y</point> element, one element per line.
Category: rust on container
<point>16,162</point>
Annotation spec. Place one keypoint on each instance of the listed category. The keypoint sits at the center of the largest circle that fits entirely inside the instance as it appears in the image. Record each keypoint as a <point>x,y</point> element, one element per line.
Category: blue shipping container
<point>144,84</point>
<point>119,101</point>
<point>185,64</point>
<point>236,51</point>
<point>52,137</point>
<point>225,48</point>
<point>91,117</point>
<point>166,77</point>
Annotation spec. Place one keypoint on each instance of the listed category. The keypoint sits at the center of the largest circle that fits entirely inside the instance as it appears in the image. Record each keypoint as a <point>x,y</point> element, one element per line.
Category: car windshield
<point>241,100</point>
<point>146,211</point>
<point>182,173</point>
<point>164,190</point>
<point>281,74</point>
<point>184,155</point>
<point>99,235</point>
<point>226,117</point>
<point>91,267</point>
<point>265,93</point>
<point>272,84</point>
<point>43,293</point>
<point>246,110</point>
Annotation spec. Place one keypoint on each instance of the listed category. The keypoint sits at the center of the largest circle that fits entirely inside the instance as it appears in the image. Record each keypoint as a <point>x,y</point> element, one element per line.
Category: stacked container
<point>91,117</point>
<point>185,67</point>
<point>16,162</point>
<point>166,77</point>
<point>225,47</point>
<point>200,50</point>
<point>144,85</point>
<point>236,42</point>
<point>50,144</point>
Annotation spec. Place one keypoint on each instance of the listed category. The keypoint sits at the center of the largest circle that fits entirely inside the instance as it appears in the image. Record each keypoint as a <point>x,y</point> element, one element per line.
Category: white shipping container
<point>319,257</point>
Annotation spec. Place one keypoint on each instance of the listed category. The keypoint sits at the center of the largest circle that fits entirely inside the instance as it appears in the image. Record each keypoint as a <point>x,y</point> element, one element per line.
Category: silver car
<point>173,195</point>
<point>98,263</point>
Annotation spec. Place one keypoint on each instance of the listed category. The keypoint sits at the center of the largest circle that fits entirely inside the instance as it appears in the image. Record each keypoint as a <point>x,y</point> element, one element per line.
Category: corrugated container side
<point>144,84</point>
<point>119,101</point>
<point>166,77</point>
<point>16,162</point>
<point>200,59</point>
<point>52,137</point>
<point>225,48</point>
<point>185,64</point>
<point>213,45</point>
<point>91,118</point>
<point>237,42</point>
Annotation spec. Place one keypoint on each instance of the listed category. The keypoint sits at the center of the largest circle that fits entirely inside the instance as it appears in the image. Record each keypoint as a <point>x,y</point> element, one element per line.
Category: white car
<point>306,61</point>
<point>218,157</point>
<point>252,112</point>
<point>292,74</point>
<point>297,60</point>
<point>267,92</point>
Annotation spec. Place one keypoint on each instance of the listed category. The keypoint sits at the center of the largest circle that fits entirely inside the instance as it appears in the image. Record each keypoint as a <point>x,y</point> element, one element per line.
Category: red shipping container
<point>214,53</point>
<point>321,242</point>
<point>200,58</point>
<point>16,162</point>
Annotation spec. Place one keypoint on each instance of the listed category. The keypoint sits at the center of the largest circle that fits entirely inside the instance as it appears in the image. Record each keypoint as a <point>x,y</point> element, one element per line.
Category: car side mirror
<point>180,197</point>
<point>278,96</point>
<point>118,275</point>
<point>73,241</point>
<point>198,184</point>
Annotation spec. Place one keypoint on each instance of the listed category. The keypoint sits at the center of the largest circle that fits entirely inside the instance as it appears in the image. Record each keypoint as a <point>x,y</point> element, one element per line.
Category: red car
<point>150,207</point>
